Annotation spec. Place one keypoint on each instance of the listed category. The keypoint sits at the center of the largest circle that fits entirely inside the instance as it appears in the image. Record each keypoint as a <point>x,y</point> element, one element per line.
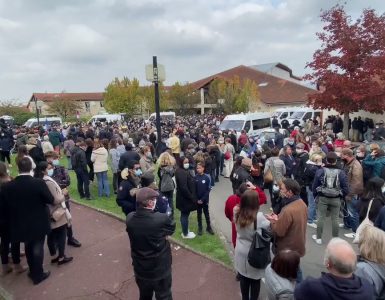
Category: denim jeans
<point>103,185</point>
<point>184,222</point>
<point>312,207</point>
<point>352,219</point>
<point>299,275</point>
<point>333,205</point>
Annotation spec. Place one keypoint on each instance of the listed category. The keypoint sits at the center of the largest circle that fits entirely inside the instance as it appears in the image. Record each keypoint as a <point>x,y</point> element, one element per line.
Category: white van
<point>105,118</point>
<point>9,120</point>
<point>303,114</point>
<point>164,115</point>
<point>283,113</point>
<point>44,121</point>
<point>252,123</point>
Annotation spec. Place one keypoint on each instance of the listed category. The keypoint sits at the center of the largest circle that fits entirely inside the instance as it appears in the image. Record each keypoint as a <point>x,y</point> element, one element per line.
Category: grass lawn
<point>209,245</point>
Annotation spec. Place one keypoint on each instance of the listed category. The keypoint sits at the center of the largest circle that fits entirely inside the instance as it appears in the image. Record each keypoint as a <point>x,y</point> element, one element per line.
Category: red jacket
<point>234,200</point>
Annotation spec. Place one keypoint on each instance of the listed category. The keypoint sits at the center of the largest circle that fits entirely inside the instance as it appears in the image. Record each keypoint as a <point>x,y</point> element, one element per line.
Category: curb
<point>173,240</point>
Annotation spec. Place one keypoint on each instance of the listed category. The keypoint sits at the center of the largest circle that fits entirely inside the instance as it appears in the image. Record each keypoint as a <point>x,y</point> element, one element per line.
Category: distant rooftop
<point>270,68</point>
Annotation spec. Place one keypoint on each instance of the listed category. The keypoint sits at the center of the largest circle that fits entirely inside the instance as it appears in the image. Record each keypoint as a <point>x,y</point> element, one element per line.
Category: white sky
<point>81,45</point>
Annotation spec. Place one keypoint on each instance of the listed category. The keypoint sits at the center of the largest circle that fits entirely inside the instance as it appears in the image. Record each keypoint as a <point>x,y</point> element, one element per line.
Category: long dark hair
<point>21,152</point>
<point>373,189</point>
<point>40,169</point>
<point>248,209</point>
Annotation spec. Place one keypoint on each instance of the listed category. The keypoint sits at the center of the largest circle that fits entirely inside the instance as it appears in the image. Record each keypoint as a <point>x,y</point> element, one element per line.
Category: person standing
<point>186,199</point>
<point>330,186</point>
<point>289,227</point>
<point>24,202</point>
<point>203,188</point>
<point>79,165</point>
<point>174,144</point>
<point>68,145</point>
<point>166,172</point>
<point>90,164</point>
<point>6,142</point>
<point>115,156</point>
<point>54,138</point>
<point>99,157</point>
<point>150,248</point>
<point>247,219</point>
<point>228,154</point>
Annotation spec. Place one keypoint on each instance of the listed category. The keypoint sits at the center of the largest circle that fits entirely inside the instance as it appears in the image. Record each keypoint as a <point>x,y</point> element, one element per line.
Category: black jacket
<point>241,175</point>
<point>150,250</point>
<point>186,199</point>
<point>299,167</point>
<point>24,208</point>
<point>36,153</point>
<point>78,159</point>
<point>126,158</point>
<point>124,198</point>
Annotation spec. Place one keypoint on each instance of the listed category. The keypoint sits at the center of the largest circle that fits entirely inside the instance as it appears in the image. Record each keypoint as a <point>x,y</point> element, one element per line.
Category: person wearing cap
<point>150,248</point>
<point>330,186</point>
<point>162,204</point>
<point>128,187</point>
<point>242,174</point>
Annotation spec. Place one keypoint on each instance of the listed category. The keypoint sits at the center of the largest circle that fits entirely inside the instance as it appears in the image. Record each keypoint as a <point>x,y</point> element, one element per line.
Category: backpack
<point>166,183</point>
<point>259,253</point>
<point>330,187</point>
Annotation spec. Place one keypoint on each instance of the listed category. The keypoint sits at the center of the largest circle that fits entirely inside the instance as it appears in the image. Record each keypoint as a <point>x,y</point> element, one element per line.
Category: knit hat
<point>146,194</point>
<point>246,162</point>
<point>300,146</point>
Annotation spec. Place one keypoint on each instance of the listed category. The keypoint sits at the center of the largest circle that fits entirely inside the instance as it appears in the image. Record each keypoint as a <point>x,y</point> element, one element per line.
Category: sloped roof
<point>265,68</point>
<point>50,97</point>
<point>273,90</point>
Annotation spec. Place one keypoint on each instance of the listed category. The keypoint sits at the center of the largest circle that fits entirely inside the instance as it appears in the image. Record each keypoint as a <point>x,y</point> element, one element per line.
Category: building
<point>276,83</point>
<point>90,103</point>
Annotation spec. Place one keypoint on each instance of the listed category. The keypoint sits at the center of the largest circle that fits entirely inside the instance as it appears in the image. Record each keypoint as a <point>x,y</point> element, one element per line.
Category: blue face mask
<point>55,162</point>
<point>50,172</point>
<point>138,172</point>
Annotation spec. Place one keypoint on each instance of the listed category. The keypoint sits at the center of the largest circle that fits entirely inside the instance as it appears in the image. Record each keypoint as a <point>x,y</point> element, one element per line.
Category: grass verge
<point>209,245</point>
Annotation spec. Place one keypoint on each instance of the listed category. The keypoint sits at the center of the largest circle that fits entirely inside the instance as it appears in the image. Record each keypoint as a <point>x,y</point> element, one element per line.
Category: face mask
<point>263,156</point>
<point>291,142</point>
<point>186,166</point>
<point>50,172</point>
<point>360,154</point>
<point>154,205</point>
<point>138,172</point>
<point>149,155</point>
<point>338,154</point>
<point>299,151</point>
<point>55,162</point>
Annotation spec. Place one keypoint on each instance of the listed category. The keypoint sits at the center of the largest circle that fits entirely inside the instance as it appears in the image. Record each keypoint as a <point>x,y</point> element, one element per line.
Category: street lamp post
<point>37,112</point>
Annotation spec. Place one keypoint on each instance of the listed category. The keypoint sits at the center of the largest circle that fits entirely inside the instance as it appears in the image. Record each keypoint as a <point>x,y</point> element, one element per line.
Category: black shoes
<point>43,277</point>
<point>199,231</point>
<point>209,230</point>
<point>74,243</point>
<point>64,260</point>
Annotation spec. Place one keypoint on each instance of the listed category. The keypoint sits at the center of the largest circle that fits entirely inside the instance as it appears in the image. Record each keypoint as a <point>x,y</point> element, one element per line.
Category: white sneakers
<point>341,225</point>
<point>190,235</point>
<point>318,241</point>
<point>314,225</point>
<point>350,235</point>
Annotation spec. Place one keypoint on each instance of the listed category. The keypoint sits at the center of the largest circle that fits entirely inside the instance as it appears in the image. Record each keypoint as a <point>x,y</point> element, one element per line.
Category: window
<point>101,104</point>
<point>231,124</point>
<point>261,123</point>
<point>307,116</point>
<point>317,114</point>
<point>88,107</point>
<point>247,126</point>
<point>284,115</point>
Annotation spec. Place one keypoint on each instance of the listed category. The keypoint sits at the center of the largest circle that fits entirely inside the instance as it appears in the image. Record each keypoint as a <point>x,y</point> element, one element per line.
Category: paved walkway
<point>102,268</point>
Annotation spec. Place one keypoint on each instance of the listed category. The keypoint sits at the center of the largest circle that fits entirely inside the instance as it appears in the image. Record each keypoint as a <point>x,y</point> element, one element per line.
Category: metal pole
<point>37,112</point>
<point>157,106</point>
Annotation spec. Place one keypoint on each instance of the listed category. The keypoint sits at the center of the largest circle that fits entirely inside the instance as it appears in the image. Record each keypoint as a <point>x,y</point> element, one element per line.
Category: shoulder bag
<point>259,253</point>
<point>365,222</point>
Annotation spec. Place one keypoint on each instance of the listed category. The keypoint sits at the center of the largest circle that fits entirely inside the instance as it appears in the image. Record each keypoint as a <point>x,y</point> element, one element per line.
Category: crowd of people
<point>309,174</point>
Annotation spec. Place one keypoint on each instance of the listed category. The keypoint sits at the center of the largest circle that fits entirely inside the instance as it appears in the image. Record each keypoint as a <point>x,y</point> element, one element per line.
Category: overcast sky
<point>81,45</point>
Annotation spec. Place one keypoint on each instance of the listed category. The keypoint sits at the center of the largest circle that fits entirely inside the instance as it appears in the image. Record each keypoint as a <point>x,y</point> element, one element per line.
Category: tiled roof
<point>273,90</point>
<point>49,97</point>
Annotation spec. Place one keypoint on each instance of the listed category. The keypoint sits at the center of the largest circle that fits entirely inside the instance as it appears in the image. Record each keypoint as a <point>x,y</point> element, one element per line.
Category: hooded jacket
<point>332,287</point>
<point>99,157</point>
<point>375,274</point>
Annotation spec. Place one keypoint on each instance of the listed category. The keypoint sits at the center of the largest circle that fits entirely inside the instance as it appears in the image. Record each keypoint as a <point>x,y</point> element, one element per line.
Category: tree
<point>123,96</point>
<point>64,108</point>
<point>349,66</point>
<point>148,96</point>
<point>183,98</point>
<point>232,95</point>
<point>20,113</point>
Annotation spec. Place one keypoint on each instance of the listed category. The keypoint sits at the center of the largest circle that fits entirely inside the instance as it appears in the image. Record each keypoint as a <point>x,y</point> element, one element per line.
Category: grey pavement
<point>311,264</point>
<point>102,268</point>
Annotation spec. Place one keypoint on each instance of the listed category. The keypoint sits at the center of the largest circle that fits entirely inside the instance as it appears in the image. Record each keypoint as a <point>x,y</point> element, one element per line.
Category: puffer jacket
<point>375,274</point>
<point>100,158</point>
<point>375,164</point>
<point>278,287</point>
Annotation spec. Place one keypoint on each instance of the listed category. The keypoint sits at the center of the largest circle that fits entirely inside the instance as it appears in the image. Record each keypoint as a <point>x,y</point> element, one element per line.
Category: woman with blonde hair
<point>166,172</point>
<point>146,160</point>
<point>371,263</point>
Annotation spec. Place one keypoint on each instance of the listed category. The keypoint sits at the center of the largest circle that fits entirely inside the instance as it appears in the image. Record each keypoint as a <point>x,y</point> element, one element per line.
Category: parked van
<point>105,118</point>
<point>47,122</point>
<point>283,113</point>
<point>252,123</point>
<point>164,115</point>
<point>303,114</point>
<point>9,120</point>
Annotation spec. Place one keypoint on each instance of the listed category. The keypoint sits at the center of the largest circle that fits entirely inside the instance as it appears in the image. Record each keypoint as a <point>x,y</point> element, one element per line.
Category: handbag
<point>58,213</point>
<point>365,222</point>
<point>259,253</point>
<point>268,176</point>
<point>227,155</point>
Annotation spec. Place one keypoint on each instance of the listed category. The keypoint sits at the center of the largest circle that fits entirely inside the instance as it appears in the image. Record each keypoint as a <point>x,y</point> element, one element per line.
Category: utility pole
<point>157,105</point>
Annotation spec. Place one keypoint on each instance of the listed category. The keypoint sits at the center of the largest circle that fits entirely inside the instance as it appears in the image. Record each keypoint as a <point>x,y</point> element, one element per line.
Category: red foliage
<point>350,66</point>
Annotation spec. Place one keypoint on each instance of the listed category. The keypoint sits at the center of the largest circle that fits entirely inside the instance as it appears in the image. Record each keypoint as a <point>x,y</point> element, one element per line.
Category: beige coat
<point>100,159</point>
<point>355,178</point>
<point>58,199</point>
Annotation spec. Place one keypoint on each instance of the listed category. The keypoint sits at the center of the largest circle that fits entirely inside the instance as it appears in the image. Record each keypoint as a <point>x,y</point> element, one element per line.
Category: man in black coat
<point>79,165</point>
<point>128,157</point>
<point>242,174</point>
<point>24,207</point>
<point>150,248</point>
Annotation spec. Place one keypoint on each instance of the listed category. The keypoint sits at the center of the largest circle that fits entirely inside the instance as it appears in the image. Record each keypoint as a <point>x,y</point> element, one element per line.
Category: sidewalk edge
<point>175,241</point>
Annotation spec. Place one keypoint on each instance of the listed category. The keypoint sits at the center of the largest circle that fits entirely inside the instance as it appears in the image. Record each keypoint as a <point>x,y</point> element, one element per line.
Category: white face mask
<point>263,156</point>
<point>186,166</point>
<point>299,150</point>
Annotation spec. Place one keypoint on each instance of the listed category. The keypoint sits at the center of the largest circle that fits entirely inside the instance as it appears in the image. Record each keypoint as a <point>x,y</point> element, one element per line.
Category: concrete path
<point>102,268</point>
